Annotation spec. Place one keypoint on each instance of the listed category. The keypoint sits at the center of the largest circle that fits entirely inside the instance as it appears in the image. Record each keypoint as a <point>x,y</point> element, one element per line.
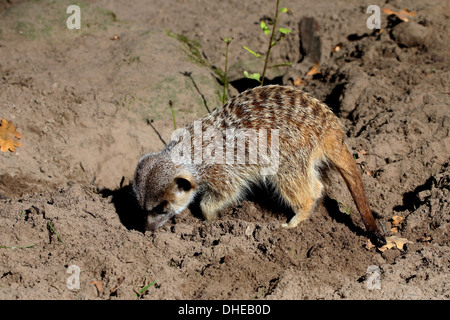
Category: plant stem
<point>225,80</point>
<point>274,27</point>
<point>173,115</point>
<point>49,223</point>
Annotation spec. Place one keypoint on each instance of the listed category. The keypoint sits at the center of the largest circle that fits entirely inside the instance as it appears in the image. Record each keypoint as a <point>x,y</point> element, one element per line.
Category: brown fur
<point>310,135</point>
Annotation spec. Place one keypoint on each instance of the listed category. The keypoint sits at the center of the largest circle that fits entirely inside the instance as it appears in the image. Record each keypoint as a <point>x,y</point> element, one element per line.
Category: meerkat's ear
<point>184,183</point>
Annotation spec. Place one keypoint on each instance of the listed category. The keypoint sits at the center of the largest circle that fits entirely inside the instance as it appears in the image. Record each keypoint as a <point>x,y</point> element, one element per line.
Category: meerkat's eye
<point>160,208</point>
<point>183,184</point>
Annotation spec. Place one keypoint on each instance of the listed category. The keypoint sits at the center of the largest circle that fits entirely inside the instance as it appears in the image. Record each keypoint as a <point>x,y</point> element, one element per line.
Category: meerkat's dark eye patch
<point>183,184</point>
<point>160,207</point>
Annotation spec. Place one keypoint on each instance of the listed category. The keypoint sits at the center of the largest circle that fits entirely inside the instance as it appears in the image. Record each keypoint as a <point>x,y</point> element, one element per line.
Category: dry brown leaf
<point>309,75</point>
<point>98,285</point>
<point>426,239</point>
<point>120,280</point>
<point>7,134</point>
<point>397,221</point>
<point>369,245</point>
<point>388,11</point>
<point>394,241</point>
<point>361,156</point>
<point>389,245</point>
<point>405,12</point>
<point>402,14</point>
<point>314,70</point>
<point>299,82</point>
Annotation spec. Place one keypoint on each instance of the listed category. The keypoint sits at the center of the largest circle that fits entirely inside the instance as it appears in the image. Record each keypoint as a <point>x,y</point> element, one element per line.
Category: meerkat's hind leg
<point>302,195</point>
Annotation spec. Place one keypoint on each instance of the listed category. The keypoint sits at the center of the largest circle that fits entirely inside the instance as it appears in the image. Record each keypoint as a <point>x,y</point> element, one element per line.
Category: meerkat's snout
<point>157,217</point>
<point>175,201</point>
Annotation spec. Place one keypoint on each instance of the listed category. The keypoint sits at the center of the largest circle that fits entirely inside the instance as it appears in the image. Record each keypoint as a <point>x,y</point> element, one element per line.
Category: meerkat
<point>309,135</point>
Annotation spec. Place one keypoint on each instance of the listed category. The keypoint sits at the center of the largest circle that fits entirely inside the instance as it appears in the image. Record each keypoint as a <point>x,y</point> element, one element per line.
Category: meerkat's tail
<point>342,159</point>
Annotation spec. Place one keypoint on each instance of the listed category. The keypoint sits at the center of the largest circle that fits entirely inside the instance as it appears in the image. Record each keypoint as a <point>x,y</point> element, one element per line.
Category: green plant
<point>281,33</point>
<point>347,208</point>
<point>52,229</point>
<point>261,293</point>
<point>192,48</point>
<point>189,75</point>
<point>141,292</point>
<point>150,123</point>
<point>23,247</point>
<point>173,115</point>
<point>223,98</point>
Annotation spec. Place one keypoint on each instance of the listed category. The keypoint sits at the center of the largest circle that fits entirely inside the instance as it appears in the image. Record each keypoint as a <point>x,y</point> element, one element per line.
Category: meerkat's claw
<point>291,224</point>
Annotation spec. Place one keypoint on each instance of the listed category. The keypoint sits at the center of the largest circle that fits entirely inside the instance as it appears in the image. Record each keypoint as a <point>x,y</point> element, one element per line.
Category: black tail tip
<point>377,239</point>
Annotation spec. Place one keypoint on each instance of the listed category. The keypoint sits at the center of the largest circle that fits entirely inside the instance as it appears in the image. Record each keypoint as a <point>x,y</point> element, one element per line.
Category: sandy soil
<point>90,102</point>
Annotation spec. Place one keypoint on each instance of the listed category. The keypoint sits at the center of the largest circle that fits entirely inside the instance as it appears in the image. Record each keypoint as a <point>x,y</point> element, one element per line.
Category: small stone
<point>411,34</point>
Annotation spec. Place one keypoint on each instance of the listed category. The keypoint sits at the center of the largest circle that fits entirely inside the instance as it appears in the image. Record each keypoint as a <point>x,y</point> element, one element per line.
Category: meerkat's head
<point>162,188</point>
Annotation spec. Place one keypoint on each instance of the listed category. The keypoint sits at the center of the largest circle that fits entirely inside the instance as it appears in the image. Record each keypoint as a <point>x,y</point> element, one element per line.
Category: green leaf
<point>284,30</point>
<point>50,225</point>
<point>24,247</point>
<point>265,28</point>
<point>284,10</point>
<point>147,286</point>
<point>255,76</point>
<point>227,39</point>
<point>142,291</point>
<point>252,52</point>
